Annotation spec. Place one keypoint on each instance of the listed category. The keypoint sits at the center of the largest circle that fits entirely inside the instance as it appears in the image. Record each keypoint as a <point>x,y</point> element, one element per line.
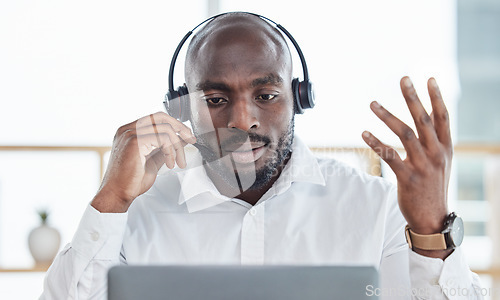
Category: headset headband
<point>303,93</point>
<point>183,41</point>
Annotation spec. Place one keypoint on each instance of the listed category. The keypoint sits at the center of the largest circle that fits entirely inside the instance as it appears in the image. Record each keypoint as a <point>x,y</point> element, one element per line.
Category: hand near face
<point>139,150</point>
<point>423,176</point>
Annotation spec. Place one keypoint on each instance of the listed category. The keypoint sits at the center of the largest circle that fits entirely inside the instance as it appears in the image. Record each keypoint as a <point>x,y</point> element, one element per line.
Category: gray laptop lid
<point>241,282</point>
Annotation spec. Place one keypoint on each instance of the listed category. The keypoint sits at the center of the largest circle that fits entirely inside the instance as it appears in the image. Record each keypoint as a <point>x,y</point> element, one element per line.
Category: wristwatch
<point>450,238</point>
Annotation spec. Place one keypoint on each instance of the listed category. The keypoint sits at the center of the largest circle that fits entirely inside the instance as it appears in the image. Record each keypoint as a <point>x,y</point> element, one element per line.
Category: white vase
<point>44,242</point>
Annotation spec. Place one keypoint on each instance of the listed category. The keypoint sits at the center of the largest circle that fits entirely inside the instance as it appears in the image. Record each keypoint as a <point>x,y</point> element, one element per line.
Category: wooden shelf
<point>493,272</point>
<point>43,268</point>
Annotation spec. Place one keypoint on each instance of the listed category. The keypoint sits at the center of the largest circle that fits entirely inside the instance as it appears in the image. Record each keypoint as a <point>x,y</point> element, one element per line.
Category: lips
<point>246,153</point>
<point>243,147</point>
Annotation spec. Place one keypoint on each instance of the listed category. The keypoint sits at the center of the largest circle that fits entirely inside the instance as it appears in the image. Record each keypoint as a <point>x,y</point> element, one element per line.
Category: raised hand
<point>424,174</point>
<point>139,151</point>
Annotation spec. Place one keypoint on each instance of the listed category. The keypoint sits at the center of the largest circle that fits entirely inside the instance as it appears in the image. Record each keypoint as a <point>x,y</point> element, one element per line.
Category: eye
<point>216,101</point>
<point>266,97</point>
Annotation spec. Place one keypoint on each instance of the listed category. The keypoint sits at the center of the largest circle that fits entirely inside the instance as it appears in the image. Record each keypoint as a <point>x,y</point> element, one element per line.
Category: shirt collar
<point>199,192</point>
<point>303,166</point>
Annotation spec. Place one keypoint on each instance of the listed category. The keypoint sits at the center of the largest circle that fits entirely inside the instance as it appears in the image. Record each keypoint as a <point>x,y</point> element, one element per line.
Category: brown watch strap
<point>425,241</point>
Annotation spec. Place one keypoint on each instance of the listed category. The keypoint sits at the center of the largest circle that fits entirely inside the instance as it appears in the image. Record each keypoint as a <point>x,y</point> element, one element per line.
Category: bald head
<point>239,76</point>
<point>234,34</point>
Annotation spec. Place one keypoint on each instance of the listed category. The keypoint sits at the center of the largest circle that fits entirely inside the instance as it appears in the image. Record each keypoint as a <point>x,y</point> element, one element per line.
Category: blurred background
<point>71,73</point>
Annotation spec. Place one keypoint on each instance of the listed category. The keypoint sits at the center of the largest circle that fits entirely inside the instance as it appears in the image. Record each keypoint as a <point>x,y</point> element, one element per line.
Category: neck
<point>251,195</point>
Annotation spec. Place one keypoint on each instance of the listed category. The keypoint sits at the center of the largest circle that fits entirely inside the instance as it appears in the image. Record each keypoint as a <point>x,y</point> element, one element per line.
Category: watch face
<point>457,231</point>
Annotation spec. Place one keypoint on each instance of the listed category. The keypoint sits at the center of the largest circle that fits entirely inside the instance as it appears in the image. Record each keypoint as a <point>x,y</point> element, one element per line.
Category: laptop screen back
<point>241,282</point>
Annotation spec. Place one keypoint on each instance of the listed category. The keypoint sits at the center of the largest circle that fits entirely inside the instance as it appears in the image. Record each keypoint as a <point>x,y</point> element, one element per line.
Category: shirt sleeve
<point>80,270</point>
<point>448,279</point>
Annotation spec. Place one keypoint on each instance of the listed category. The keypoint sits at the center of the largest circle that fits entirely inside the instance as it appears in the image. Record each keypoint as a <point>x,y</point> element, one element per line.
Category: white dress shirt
<point>318,212</point>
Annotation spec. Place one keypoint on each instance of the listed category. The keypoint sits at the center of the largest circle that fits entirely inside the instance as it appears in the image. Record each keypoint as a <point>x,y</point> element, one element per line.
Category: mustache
<point>231,137</point>
<point>243,137</point>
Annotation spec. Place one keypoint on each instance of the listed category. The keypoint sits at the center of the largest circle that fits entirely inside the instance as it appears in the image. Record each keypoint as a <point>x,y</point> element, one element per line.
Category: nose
<point>243,115</point>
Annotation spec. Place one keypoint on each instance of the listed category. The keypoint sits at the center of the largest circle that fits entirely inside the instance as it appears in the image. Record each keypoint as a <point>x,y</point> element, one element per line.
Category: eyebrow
<point>271,79</point>
<point>210,85</point>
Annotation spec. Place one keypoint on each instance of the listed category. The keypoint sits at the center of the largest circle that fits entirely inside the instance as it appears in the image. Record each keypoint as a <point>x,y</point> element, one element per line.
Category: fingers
<point>167,140</point>
<point>432,130</point>
<point>404,132</point>
<point>388,154</point>
<point>162,118</point>
<point>439,113</point>
<point>159,132</point>
<point>423,122</point>
<point>155,162</point>
<point>173,142</point>
<point>151,144</point>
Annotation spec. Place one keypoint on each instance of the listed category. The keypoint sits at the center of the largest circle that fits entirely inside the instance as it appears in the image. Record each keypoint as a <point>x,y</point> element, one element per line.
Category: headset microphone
<point>178,107</point>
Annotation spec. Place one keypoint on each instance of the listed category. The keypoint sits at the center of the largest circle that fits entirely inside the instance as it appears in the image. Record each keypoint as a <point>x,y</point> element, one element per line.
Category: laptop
<point>242,282</point>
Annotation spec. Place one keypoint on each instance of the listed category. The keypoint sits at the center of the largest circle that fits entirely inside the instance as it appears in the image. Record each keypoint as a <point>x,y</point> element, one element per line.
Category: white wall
<point>72,72</point>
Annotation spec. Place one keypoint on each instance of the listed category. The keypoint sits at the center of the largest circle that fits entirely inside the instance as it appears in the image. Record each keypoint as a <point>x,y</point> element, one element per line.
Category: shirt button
<point>94,236</point>
<point>451,282</point>
<point>253,211</point>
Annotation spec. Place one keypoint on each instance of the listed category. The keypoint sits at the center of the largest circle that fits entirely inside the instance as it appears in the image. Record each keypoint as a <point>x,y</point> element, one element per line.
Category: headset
<point>303,93</point>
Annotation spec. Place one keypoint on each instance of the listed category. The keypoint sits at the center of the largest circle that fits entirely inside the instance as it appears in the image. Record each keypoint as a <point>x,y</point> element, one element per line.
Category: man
<point>260,196</point>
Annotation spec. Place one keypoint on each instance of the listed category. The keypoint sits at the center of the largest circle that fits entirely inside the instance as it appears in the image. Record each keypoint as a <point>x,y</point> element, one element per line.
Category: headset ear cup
<point>306,93</point>
<point>296,96</point>
<point>177,103</point>
<point>185,107</point>
<point>172,102</point>
<point>303,95</point>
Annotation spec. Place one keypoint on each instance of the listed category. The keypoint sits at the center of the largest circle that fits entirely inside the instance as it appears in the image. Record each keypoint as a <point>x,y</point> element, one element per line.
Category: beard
<point>246,180</point>
<point>283,150</point>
